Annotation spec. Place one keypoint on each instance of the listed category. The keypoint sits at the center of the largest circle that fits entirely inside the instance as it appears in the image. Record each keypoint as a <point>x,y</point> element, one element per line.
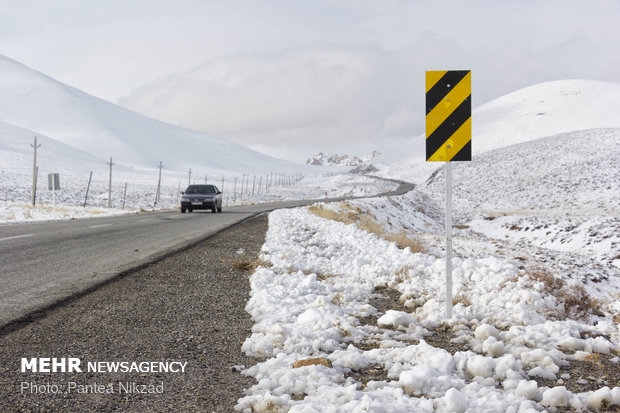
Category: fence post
<point>124,195</point>
<point>110,185</point>
<point>35,172</point>
<point>90,178</point>
<point>235,191</point>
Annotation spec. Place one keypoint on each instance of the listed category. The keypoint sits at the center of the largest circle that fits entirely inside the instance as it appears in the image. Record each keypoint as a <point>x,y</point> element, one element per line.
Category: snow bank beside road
<point>315,301</point>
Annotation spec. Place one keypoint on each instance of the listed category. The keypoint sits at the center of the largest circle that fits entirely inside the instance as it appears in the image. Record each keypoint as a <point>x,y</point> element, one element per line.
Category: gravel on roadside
<point>188,308</point>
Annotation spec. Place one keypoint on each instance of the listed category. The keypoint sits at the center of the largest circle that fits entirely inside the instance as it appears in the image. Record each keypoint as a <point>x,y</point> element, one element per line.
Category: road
<point>44,264</point>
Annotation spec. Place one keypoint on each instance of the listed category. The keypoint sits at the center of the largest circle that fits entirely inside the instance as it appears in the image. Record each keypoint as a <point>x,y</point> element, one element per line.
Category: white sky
<point>293,77</point>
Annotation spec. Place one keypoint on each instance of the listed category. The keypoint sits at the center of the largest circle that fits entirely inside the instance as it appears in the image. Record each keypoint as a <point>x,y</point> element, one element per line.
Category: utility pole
<point>253,185</point>
<point>34,173</point>
<point>110,185</point>
<point>206,179</point>
<point>160,166</point>
<point>260,183</point>
<point>189,181</point>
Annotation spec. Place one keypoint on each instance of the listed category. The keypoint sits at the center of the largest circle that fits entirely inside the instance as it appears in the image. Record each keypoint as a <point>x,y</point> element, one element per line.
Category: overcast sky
<point>293,77</point>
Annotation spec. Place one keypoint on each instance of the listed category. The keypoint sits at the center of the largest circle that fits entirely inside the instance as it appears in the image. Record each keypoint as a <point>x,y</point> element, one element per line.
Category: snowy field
<point>356,292</point>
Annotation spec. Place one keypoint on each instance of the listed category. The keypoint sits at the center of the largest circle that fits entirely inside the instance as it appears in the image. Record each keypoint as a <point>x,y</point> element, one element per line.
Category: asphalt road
<point>44,264</point>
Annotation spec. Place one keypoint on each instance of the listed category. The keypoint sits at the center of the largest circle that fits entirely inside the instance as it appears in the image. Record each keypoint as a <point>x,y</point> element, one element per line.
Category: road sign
<point>448,115</point>
<point>53,182</point>
<point>448,139</point>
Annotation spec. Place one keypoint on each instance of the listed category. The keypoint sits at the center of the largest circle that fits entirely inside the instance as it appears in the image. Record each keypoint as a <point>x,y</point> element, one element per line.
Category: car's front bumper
<point>198,204</point>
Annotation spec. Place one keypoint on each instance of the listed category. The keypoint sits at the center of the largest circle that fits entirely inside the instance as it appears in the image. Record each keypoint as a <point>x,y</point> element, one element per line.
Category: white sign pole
<point>448,173</point>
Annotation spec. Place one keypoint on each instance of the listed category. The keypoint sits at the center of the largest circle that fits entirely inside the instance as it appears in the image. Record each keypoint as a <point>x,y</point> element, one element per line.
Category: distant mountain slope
<point>340,160</point>
<point>15,141</point>
<point>525,115</point>
<point>543,110</point>
<point>34,101</point>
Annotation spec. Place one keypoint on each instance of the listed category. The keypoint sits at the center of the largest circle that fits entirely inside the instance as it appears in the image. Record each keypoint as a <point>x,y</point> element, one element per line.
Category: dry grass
<point>249,264</point>
<point>403,241</point>
<point>402,274</point>
<point>462,299</point>
<point>575,301</point>
<point>365,221</point>
<point>348,215</point>
<point>322,277</point>
<point>338,299</point>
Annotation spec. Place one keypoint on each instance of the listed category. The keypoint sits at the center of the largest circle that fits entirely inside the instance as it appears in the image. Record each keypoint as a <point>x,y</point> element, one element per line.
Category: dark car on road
<point>201,197</point>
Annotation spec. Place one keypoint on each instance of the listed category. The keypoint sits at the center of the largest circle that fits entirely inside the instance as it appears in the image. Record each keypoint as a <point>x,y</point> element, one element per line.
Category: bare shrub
<point>576,303</point>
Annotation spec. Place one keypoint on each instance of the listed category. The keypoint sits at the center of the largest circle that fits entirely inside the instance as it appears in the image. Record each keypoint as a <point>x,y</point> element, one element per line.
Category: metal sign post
<point>448,170</point>
<point>448,139</point>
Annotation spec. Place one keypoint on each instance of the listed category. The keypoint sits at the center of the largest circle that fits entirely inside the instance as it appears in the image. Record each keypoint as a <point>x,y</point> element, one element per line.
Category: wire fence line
<point>131,188</point>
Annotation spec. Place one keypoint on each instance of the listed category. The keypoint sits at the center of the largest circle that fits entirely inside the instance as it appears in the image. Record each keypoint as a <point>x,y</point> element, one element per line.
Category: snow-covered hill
<point>544,174</point>
<point>34,101</point>
<point>557,194</point>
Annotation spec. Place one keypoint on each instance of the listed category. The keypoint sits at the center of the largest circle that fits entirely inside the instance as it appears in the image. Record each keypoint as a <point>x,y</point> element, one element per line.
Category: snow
<point>528,389</point>
<point>536,231</point>
<point>396,319</point>
<point>557,397</point>
<point>312,302</point>
<point>455,401</point>
<point>535,266</point>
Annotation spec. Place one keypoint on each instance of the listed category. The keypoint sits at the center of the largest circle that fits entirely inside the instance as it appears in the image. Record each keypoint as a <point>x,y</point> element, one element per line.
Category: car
<point>201,197</point>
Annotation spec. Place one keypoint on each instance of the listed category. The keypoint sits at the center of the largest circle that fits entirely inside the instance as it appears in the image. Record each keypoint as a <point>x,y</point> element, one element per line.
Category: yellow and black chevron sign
<point>448,115</point>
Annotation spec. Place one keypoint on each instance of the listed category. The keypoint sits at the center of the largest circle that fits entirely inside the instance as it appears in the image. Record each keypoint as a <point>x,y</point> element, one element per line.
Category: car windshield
<point>200,189</point>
